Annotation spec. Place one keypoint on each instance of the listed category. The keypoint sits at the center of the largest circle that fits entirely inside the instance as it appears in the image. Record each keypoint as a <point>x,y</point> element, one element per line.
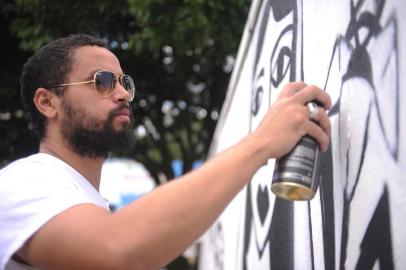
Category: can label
<point>300,166</point>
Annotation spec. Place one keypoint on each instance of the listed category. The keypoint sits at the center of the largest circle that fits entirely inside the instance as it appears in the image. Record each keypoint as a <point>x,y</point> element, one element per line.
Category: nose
<point>121,94</point>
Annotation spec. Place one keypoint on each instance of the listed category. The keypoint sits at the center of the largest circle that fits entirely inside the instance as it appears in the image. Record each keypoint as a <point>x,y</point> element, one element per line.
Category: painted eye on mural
<point>257,100</point>
<point>281,56</point>
<point>258,92</point>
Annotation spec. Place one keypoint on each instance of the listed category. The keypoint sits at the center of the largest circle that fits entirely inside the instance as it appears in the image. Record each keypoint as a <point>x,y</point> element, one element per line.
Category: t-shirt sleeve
<point>27,202</point>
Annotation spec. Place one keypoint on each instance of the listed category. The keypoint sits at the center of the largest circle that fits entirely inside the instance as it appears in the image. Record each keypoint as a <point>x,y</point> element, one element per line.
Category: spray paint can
<point>296,175</point>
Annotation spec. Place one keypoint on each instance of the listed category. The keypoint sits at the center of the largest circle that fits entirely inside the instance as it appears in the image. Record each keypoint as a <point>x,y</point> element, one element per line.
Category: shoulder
<point>37,178</point>
<point>42,178</point>
<point>36,169</point>
<point>34,163</point>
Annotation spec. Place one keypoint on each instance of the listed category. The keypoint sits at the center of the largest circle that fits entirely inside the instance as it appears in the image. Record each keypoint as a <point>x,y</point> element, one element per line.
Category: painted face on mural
<point>275,61</point>
<point>275,65</point>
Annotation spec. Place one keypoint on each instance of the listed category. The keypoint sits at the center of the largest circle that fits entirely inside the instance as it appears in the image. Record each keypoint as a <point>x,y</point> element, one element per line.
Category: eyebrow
<point>90,75</point>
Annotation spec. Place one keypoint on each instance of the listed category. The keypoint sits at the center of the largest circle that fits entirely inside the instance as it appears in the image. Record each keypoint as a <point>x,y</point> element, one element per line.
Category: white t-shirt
<point>32,191</point>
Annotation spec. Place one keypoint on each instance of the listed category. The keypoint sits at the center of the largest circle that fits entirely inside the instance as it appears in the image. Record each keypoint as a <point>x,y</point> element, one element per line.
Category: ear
<point>47,102</point>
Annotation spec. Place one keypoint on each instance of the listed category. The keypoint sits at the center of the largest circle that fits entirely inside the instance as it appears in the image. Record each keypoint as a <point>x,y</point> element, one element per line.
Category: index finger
<point>292,88</point>
<point>311,93</point>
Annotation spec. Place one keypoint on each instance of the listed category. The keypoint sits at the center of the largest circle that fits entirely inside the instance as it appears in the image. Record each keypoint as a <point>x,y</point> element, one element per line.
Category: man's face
<point>94,125</point>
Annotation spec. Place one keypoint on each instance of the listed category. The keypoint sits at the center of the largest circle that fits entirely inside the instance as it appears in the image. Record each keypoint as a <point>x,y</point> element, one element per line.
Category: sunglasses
<point>105,82</point>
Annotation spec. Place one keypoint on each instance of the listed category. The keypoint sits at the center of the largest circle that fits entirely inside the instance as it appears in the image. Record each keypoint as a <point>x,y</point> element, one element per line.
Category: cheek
<point>95,110</point>
<point>85,118</point>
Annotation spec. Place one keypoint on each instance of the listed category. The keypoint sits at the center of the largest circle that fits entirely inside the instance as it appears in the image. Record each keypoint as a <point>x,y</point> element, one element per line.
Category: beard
<point>92,137</point>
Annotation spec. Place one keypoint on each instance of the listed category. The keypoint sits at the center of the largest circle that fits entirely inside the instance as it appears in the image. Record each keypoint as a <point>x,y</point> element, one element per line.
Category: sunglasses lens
<point>105,82</point>
<point>128,85</point>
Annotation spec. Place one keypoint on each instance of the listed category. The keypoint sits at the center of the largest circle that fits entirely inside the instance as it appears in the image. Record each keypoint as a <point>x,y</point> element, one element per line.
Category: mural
<point>357,218</point>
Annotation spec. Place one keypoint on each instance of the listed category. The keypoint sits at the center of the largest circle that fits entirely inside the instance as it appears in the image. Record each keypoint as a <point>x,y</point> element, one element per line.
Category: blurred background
<point>180,53</point>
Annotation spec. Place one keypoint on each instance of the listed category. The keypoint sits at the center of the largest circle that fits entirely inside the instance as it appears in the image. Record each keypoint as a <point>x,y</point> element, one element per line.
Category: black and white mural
<point>355,50</point>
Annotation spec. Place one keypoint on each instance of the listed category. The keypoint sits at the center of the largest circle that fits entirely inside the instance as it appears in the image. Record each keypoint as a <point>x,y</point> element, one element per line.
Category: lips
<point>124,112</point>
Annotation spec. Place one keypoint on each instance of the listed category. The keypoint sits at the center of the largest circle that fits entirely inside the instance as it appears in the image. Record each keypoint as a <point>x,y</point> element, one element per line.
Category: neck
<point>89,168</point>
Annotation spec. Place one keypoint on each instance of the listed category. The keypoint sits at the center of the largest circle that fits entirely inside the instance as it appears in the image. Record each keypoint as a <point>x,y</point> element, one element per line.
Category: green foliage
<point>177,51</point>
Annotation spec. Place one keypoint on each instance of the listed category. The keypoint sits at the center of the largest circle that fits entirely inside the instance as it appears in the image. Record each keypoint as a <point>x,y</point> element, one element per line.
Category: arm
<point>156,228</point>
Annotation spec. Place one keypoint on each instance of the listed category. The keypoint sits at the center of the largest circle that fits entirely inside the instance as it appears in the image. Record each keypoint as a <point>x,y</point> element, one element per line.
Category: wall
<point>355,50</point>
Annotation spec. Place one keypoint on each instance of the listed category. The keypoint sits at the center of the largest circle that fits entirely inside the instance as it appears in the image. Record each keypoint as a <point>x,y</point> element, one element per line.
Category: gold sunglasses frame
<point>118,78</point>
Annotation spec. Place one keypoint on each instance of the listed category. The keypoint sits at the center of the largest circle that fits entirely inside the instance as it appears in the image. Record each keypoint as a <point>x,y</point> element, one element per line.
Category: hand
<point>288,119</point>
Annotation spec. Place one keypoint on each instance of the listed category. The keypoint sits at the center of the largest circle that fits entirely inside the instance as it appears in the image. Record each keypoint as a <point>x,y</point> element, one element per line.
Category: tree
<point>15,138</point>
<point>180,53</point>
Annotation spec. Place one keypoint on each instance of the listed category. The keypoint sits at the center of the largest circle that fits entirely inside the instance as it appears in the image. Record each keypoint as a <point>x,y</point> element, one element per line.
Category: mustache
<point>119,108</point>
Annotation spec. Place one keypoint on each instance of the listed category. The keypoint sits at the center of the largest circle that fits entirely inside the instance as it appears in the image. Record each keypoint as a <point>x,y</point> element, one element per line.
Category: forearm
<point>168,220</point>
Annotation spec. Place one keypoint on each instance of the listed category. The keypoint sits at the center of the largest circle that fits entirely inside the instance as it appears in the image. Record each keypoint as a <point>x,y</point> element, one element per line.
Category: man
<point>51,215</point>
